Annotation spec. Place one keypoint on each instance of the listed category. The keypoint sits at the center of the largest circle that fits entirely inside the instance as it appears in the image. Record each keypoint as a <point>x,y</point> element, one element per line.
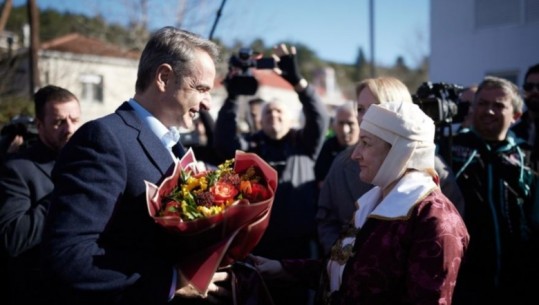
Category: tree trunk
<point>5,14</point>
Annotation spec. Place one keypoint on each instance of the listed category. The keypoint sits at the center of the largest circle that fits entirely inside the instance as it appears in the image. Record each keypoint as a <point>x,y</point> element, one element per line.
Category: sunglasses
<point>530,86</point>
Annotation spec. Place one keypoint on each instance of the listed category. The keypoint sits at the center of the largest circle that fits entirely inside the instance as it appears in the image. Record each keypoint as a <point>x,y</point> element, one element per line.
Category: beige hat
<point>411,135</point>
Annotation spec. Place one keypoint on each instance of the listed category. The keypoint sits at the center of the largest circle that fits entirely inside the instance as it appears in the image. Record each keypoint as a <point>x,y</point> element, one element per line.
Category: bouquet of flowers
<point>224,212</point>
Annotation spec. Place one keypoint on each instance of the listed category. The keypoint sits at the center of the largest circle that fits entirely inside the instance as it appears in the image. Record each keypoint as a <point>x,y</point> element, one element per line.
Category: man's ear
<point>163,76</point>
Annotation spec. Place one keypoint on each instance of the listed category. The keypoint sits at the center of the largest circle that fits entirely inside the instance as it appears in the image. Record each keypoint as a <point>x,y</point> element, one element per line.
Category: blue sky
<point>334,30</point>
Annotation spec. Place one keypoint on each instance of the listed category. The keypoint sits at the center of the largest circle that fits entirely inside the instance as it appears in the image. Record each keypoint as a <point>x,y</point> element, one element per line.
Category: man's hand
<point>216,294</point>
<point>287,64</point>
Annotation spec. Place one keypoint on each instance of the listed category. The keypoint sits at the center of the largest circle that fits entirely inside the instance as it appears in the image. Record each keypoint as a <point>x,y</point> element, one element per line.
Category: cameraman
<point>292,152</point>
<point>25,185</point>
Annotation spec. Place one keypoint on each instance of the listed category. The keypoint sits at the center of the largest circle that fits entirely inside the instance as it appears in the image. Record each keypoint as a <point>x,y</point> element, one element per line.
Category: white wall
<point>64,70</point>
<point>462,53</point>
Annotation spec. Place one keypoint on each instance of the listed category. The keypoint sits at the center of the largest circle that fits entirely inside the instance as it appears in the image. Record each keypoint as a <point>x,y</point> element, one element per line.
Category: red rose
<point>223,192</point>
<point>258,192</point>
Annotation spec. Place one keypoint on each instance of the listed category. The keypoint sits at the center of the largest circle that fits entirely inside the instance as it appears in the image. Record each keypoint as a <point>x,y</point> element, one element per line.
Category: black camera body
<point>245,83</point>
<point>440,101</point>
<point>21,125</point>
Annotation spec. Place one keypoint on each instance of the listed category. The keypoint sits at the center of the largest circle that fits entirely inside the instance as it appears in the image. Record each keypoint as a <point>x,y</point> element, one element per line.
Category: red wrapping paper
<point>223,238</point>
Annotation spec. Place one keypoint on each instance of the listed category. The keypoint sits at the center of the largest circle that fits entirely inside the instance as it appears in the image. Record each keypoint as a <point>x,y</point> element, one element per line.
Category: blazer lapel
<point>154,149</point>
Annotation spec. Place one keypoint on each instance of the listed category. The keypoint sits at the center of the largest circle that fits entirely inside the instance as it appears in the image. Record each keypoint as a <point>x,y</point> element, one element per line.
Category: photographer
<point>292,152</point>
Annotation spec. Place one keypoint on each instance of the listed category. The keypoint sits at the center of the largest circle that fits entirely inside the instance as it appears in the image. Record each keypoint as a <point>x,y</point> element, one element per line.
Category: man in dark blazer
<point>25,185</point>
<point>100,245</point>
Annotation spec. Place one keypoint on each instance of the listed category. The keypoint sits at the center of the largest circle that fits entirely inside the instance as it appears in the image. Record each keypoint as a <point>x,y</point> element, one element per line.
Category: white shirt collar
<point>411,188</point>
<point>168,137</point>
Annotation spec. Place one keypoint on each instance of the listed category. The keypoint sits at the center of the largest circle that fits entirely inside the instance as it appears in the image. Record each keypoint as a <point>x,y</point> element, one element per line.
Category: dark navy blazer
<point>100,245</point>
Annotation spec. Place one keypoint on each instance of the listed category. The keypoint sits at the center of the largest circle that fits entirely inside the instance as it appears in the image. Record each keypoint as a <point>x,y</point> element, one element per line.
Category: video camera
<point>245,83</point>
<point>20,125</point>
<point>440,101</point>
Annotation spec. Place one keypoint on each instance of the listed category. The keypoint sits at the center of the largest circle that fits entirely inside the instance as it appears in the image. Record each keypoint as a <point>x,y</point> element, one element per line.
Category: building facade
<point>473,38</point>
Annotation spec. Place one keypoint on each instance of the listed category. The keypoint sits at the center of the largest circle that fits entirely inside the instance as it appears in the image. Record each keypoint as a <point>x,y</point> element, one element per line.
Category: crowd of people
<point>371,214</point>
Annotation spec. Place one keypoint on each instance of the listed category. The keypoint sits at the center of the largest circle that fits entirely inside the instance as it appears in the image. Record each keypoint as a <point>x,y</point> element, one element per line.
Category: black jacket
<point>25,185</point>
<point>500,214</point>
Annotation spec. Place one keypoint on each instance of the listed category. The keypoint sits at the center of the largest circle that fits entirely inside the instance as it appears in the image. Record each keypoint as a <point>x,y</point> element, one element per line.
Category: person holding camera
<point>292,152</point>
<point>25,187</point>
<point>501,210</point>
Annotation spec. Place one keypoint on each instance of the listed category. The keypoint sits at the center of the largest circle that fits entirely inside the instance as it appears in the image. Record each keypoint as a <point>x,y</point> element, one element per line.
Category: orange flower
<point>187,203</point>
<point>223,193</point>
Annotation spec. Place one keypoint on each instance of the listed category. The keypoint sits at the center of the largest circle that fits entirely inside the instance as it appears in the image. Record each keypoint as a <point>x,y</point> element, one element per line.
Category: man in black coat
<point>292,152</point>
<point>25,185</point>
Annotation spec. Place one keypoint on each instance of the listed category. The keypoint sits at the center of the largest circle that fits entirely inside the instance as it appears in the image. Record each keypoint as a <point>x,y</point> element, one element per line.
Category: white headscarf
<point>411,135</point>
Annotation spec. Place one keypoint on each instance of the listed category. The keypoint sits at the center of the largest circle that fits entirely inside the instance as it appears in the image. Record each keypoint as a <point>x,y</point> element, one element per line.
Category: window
<point>92,88</point>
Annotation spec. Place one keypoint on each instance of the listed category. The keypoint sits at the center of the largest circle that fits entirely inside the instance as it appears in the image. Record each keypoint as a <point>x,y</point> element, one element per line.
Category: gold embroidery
<point>340,253</point>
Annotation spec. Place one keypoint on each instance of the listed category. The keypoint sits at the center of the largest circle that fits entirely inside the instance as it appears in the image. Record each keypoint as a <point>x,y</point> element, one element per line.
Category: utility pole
<point>5,14</point>
<point>371,27</point>
<point>33,17</point>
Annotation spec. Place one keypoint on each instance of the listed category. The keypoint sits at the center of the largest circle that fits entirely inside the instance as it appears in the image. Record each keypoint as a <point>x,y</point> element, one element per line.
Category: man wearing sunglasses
<point>527,127</point>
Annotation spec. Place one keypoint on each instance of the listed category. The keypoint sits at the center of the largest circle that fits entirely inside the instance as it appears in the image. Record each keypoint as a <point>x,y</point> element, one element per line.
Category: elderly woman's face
<point>370,152</point>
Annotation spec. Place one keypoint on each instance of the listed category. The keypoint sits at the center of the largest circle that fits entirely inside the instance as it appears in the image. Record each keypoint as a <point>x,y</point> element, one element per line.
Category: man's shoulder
<point>18,158</point>
<point>332,141</point>
<point>25,160</point>
<point>34,150</point>
<point>121,117</point>
<point>345,156</point>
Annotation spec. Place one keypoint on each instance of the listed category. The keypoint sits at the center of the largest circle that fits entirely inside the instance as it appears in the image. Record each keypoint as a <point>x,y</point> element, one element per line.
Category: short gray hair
<point>507,86</point>
<point>170,45</point>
